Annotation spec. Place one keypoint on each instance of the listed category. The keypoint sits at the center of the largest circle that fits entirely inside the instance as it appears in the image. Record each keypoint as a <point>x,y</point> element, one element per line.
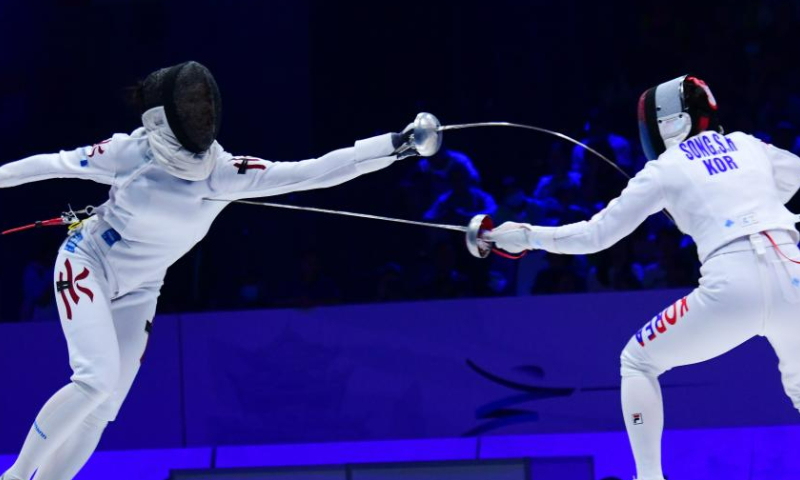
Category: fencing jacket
<point>153,218</point>
<point>717,187</point>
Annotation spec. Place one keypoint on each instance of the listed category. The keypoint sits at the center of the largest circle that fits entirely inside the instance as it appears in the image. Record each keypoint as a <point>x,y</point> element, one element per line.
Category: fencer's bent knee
<point>94,422</point>
<point>634,362</point>
<point>628,366</point>
<point>99,381</point>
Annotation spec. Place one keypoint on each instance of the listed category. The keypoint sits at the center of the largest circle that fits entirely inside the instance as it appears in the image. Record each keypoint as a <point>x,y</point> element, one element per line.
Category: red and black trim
<point>696,100</point>
<point>649,134</point>
<point>704,116</point>
<point>243,164</point>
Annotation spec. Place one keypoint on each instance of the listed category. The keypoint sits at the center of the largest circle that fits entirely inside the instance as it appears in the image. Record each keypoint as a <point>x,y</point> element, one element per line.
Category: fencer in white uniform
<point>110,270</point>
<point>728,193</point>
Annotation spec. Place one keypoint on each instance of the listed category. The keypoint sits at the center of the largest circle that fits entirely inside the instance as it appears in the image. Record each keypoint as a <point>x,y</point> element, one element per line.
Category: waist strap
<point>757,242</point>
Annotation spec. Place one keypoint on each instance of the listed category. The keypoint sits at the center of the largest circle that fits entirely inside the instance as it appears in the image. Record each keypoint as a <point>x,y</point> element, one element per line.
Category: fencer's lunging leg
<point>82,295</point>
<point>783,327</point>
<point>724,312</point>
<point>787,347</point>
<point>133,319</point>
<point>57,421</point>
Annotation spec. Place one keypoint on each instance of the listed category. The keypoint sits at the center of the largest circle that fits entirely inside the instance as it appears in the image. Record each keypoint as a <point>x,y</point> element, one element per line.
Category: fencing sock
<point>73,454</point>
<point>643,409</point>
<point>58,420</point>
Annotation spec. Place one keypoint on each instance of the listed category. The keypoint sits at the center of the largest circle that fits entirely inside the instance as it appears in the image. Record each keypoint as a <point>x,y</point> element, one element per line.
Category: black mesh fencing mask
<point>191,101</point>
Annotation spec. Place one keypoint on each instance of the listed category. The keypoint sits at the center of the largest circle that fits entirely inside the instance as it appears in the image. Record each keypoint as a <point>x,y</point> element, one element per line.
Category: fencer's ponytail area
<point>702,105</point>
<point>134,97</point>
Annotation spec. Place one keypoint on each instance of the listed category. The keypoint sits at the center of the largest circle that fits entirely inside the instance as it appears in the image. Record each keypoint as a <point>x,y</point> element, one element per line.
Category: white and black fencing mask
<point>191,100</point>
<point>674,111</point>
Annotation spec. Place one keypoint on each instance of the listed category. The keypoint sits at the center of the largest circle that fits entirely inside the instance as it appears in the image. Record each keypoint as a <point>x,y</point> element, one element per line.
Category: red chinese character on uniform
<point>70,285</point>
<point>97,148</point>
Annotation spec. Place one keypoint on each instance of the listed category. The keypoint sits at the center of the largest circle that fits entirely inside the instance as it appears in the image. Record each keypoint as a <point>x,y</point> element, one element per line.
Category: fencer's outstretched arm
<point>248,177</point>
<point>640,199</point>
<point>90,163</point>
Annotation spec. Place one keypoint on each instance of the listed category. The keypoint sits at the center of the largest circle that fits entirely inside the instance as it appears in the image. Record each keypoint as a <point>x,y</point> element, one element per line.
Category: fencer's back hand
<point>404,143</point>
<point>420,138</point>
<point>511,236</point>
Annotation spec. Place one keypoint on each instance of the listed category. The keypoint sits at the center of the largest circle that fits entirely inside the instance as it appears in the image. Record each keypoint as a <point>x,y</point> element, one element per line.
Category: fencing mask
<point>191,100</point>
<point>674,111</point>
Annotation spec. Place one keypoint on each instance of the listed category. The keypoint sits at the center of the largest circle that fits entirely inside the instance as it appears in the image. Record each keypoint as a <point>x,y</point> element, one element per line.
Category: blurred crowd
<point>566,184</point>
<point>557,65</point>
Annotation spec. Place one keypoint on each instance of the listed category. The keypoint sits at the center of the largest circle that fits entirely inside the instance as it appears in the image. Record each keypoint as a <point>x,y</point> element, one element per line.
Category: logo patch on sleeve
<point>97,149</point>
<point>637,419</point>
<point>243,164</point>
<point>111,237</point>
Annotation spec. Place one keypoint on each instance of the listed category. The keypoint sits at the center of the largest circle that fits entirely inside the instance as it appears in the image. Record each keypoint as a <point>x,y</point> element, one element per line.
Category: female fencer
<point>726,191</point>
<point>110,270</point>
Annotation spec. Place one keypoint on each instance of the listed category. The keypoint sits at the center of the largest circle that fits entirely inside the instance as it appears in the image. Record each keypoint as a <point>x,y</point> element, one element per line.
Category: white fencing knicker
<point>747,288</point>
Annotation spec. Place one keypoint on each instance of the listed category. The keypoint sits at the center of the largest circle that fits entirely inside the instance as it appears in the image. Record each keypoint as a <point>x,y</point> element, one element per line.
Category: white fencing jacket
<point>717,187</point>
<point>156,217</point>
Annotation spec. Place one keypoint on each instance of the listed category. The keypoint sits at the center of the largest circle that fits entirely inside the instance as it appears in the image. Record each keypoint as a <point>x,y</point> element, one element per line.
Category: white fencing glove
<point>420,138</point>
<point>511,236</point>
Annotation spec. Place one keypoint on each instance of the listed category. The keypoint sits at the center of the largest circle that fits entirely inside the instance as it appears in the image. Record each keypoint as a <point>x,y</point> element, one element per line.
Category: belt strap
<point>757,241</point>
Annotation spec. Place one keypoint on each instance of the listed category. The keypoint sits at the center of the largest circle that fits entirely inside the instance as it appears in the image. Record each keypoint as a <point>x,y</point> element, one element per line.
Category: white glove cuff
<point>374,153</point>
<point>542,238</point>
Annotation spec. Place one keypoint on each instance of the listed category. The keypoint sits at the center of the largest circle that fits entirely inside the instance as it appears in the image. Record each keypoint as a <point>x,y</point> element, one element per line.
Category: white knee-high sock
<point>643,409</point>
<point>57,421</point>
<point>73,454</point>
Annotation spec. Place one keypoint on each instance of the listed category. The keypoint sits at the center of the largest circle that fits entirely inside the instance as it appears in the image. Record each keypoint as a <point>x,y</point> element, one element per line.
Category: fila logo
<point>637,419</point>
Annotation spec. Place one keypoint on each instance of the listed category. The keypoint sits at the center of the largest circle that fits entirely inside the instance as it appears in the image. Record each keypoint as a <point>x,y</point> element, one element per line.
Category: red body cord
<point>510,256</point>
<point>53,222</point>
<point>779,248</point>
